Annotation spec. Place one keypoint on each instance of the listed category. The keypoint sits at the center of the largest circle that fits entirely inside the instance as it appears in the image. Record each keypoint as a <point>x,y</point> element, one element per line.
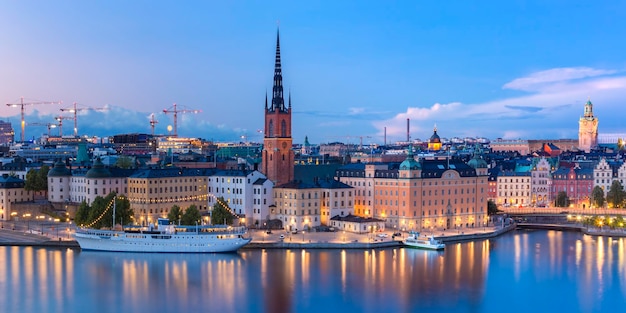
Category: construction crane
<point>60,120</point>
<point>153,122</point>
<point>22,104</point>
<point>75,110</point>
<point>49,125</point>
<point>174,109</point>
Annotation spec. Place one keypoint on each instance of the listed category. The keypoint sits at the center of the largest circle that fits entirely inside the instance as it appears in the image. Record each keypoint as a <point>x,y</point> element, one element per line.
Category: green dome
<point>59,170</point>
<point>98,170</point>
<point>409,163</point>
<point>477,161</point>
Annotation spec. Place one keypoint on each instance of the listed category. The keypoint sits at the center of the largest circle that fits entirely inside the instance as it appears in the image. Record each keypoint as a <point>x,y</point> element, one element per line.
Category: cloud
<point>554,102</point>
<point>536,80</point>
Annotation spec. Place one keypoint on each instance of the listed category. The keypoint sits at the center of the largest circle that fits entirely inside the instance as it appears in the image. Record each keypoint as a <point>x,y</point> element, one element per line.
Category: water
<point>540,271</point>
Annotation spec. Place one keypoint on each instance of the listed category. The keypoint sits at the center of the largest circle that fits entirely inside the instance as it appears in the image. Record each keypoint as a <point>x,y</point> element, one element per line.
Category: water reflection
<point>586,273</point>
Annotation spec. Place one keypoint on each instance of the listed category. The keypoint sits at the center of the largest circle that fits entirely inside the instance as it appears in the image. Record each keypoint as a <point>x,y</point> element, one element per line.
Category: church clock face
<point>284,145</point>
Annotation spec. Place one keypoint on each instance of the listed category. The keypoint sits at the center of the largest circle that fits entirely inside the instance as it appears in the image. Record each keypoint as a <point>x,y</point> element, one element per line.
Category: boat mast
<point>114,197</point>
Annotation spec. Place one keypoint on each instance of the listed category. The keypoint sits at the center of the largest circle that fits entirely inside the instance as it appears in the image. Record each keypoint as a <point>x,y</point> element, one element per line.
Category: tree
<point>100,213</point>
<point>492,208</point>
<point>597,197</point>
<point>82,214</point>
<point>221,213</point>
<point>124,161</point>
<point>175,215</point>
<point>191,216</point>
<point>615,196</point>
<point>37,180</point>
<point>562,200</point>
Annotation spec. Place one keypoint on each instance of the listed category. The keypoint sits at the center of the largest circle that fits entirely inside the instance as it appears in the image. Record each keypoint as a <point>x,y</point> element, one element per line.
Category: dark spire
<point>266,99</point>
<point>289,98</point>
<point>278,101</point>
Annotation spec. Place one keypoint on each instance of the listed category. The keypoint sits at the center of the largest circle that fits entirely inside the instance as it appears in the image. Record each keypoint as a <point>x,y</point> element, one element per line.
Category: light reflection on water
<point>562,271</point>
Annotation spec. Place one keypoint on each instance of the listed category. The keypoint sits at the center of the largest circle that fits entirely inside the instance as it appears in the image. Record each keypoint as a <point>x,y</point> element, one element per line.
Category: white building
<point>513,188</point>
<point>541,183</point>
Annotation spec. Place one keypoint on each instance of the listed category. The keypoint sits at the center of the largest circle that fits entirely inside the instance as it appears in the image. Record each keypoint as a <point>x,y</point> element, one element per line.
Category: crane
<point>153,122</point>
<point>49,125</point>
<point>22,104</point>
<point>75,110</point>
<point>174,109</point>
<point>60,120</point>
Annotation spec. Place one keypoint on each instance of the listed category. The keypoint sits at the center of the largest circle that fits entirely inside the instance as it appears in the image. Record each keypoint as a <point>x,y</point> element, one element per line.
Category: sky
<point>494,69</point>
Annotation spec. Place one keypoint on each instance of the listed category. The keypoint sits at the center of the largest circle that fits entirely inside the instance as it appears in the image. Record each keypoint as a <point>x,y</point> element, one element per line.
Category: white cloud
<point>537,80</point>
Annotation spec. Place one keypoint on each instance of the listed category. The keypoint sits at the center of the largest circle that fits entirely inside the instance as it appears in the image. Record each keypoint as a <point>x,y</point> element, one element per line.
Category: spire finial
<point>435,129</point>
<point>266,99</point>
<point>289,97</point>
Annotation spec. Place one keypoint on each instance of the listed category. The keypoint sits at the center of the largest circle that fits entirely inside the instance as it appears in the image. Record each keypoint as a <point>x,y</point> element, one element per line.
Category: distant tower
<point>588,129</point>
<point>434,144</point>
<point>278,157</point>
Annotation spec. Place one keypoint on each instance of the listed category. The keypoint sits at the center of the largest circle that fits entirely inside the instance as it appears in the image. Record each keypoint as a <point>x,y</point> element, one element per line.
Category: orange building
<point>420,195</point>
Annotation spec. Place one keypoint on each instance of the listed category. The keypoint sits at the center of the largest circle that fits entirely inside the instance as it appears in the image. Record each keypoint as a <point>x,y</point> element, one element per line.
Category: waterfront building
<point>604,173</point>
<point>59,177</point>
<point>588,129</point>
<point>302,205</point>
<point>87,184</point>
<point>432,193</point>
<point>513,188</point>
<point>11,191</point>
<point>356,224</point>
<point>540,182</point>
<point>278,157</point>
<point>576,182</point>
<point>153,192</point>
<point>6,133</point>
<point>248,193</point>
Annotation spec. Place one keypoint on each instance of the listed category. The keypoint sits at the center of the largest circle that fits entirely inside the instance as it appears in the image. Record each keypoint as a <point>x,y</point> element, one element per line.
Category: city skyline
<point>510,70</point>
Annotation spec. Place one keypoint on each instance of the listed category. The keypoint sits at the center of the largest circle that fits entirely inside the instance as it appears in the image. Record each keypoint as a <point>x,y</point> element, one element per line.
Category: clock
<point>284,145</point>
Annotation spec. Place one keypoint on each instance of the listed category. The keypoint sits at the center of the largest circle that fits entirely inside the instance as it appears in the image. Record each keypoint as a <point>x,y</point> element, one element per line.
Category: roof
<point>320,183</point>
<point>98,170</point>
<point>172,172</point>
<point>7,181</point>
<point>59,170</point>
<point>355,219</point>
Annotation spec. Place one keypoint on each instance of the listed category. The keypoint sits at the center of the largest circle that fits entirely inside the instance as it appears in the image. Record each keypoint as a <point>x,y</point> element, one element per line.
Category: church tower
<point>278,157</point>
<point>588,129</point>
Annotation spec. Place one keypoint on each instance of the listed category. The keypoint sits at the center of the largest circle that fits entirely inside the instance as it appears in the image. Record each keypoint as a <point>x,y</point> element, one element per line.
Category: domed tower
<point>588,129</point>
<point>478,163</point>
<point>278,157</point>
<point>59,183</point>
<point>434,143</point>
<point>410,168</point>
<point>98,170</point>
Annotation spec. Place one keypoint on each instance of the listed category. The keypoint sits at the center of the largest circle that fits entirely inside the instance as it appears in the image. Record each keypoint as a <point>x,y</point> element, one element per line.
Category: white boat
<point>164,238</point>
<point>429,242</point>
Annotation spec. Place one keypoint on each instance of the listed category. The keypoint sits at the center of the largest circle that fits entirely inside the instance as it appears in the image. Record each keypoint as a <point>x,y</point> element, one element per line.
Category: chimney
<point>407,130</point>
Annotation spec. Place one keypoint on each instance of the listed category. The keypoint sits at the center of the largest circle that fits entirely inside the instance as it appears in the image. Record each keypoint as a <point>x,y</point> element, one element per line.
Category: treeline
<point>100,213</point>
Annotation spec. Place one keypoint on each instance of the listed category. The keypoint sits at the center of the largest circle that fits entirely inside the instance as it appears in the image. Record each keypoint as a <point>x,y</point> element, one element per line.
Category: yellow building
<point>153,192</point>
<point>434,143</point>
<point>11,191</point>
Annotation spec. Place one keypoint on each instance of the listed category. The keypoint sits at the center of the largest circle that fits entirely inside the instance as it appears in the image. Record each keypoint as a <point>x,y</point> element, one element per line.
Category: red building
<point>576,182</point>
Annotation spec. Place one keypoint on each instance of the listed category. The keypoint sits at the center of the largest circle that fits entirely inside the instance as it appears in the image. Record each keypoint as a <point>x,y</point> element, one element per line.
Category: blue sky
<point>510,69</point>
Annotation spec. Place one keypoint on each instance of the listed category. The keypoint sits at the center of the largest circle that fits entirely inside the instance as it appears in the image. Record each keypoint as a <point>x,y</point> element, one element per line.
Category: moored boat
<point>164,238</point>
<point>429,242</point>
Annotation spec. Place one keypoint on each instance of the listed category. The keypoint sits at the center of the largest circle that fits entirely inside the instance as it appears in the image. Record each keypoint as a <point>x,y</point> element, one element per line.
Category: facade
<point>603,175</point>
<point>86,185</point>
<point>417,195</point>
<point>576,182</point>
<point>6,133</point>
<point>59,178</point>
<point>301,206</point>
<point>248,193</point>
<point>588,129</point>
<point>153,192</point>
<point>278,157</point>
<point>11,191</point>
<point>540,183</point>
<point>356,224</point>
<point>505,145</point>
<point>513,188</point>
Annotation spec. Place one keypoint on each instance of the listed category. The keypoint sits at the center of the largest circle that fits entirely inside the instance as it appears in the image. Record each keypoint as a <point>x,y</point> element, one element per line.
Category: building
<point>434,143</point>
<point>541,183</point>
<point>438,193</point>
<point>356,224</point>
<point>11,191</point>
<point>247,193</point>
<point>513,188</point>
<point>6,133</point>
<point>87,184</point>
<point>59,177</point>
<point>588,129</point>
<point>302,205</point>
<point>278,157</point>
<point>576,182</point>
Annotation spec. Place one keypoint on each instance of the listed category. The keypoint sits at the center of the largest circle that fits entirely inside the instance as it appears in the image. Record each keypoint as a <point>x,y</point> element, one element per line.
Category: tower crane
<point>75,110</point>
<point>174,109</point>
<point>153,122</point>
<point>21,104</point>
<point>60,120</point>
<point>49,125</point>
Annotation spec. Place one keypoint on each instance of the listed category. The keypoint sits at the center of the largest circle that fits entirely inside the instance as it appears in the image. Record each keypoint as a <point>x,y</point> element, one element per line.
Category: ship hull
<point>159,243</point>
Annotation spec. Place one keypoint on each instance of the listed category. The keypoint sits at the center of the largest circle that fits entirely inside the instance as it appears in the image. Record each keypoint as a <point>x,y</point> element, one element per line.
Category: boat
<point>428,242</point>
<point>164,238</point>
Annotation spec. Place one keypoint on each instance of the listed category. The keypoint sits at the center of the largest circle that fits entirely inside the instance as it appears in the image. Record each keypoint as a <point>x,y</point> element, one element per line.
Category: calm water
<point>540,271</point>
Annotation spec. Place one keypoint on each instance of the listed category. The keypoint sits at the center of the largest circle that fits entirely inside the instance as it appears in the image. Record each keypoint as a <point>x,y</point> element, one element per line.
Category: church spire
<point>266,99</point>
<point>589,109</point>
<point>278,101</point>
<point>289,98</point>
